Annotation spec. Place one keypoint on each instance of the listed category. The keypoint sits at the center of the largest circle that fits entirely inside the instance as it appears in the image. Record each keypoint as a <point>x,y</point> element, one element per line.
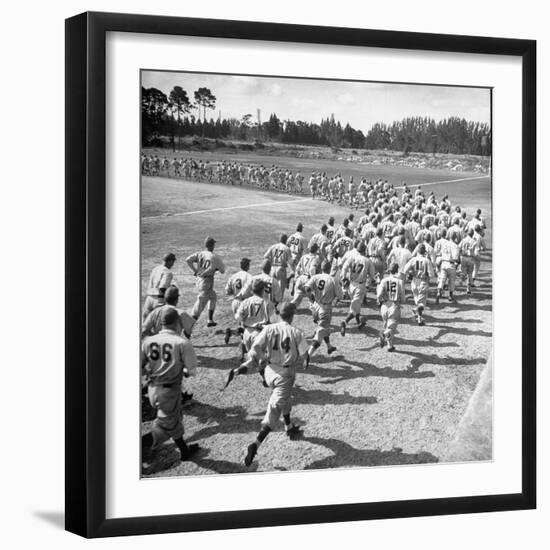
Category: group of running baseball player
<point>274,178</point>
<point>401,237</point>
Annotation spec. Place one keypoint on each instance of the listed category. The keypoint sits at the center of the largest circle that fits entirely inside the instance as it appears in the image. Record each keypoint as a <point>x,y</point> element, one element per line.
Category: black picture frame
<point>86,275</point>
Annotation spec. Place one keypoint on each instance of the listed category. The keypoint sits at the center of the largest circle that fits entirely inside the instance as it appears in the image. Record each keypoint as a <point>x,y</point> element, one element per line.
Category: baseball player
<point>152,324</point>
<point>359,271</point>
<point>280,258</point>
<point>270,286</point>
<point>282,348</point>
<point>422,271</point>
<point>236,287</point>
<point>166,358</point>
<point>306,268</point>
<point>478,237</point>
<point>376,250</point>
<point>331,230</point>
<point>390,295</point>
<point>160,279</point>
<point>253,315</point>
<point>469,251</point>
<point>339,249</point>
<point>297,244</point>
<point>322,291</point>
<point>322,242</point>
<point>455,230</point>
<point>477,222</point>
<point>447,257</point>
<point>204,265</point>
<point>400,255</point>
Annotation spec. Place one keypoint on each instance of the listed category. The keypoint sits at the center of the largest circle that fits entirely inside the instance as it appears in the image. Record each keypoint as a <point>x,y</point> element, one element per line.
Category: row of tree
<point>422,134</point>
<point>173,116</point>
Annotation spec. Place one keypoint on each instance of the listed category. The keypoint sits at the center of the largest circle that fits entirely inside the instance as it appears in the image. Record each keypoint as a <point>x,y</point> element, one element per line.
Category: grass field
<point>360,407</point>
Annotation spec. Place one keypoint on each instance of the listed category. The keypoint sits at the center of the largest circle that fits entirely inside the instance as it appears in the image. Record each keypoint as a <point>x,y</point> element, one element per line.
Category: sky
<point>359,103</point>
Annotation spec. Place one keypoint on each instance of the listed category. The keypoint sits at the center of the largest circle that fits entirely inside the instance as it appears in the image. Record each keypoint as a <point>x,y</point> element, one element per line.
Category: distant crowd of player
<point>401,238</point>
<point>320,185</point>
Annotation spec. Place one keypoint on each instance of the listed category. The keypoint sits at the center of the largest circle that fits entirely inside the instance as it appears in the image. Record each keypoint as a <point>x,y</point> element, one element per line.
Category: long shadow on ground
<point>226,466</point>
<point>302,396</point>
<point>346,455</point>
<point>454,330</point>
<point>340,373</point>
<point>420,359</point>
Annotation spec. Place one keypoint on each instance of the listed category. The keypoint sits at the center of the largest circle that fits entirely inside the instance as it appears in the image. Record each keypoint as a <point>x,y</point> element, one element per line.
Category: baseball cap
<point>258,286</point>
<point>172,292</point>
<point>169,316</point>
<point>245,263</point>
<point>209,241</point>
<point>170,257</point>
<point>287,310</point>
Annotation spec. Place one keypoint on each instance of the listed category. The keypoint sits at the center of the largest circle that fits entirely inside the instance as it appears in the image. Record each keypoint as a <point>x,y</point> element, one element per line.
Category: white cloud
<point>275,90</point>
<point>346,98</point>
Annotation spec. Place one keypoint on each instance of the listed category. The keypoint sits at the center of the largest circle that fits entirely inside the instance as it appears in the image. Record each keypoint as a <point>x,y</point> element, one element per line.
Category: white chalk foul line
<point>444,181</point>
<point>271,203</point>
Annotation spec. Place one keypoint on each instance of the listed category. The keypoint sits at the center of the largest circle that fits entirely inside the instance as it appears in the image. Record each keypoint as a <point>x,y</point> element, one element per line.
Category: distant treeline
<point>173,117</point>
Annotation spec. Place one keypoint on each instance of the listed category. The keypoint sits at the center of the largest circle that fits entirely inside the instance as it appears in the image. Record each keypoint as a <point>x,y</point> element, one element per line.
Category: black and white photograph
<point>316,274</point>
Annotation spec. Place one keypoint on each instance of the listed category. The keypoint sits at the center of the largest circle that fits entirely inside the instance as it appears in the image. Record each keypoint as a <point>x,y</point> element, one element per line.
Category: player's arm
<point>148,324</point>
<point>308,287</point>
<point>408,266</point>
<point>380,293</point>
<point>240,316</point>
<point>189,358</point>
<point>187,322</point>
<point>191,261</point>
<point>390,258</point>
<point>401,287</point>
<point>256,355</point>
<point>144,359</point>
<point>346,269</point>
<point>220,266</point>
<point>229,287</point>
<point>338,292</point>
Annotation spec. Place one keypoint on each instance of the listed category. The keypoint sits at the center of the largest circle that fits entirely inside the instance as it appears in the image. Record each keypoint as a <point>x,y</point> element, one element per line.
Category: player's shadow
<point>369,369</point>
<point>221,420</point>
<point>461,307</point>
<point>344,455</point>
<point>425,342</point>
<point>165,458</point>
<point>304,396</point>
<point>226,466</point>
<point>340,373</point>
<point>453,320</point>
<point>421,359</point>
<point>443,330</point>
<point>205,362</point>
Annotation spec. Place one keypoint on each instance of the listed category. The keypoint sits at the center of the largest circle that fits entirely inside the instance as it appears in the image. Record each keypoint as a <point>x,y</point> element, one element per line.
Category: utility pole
<point>259,115</point>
